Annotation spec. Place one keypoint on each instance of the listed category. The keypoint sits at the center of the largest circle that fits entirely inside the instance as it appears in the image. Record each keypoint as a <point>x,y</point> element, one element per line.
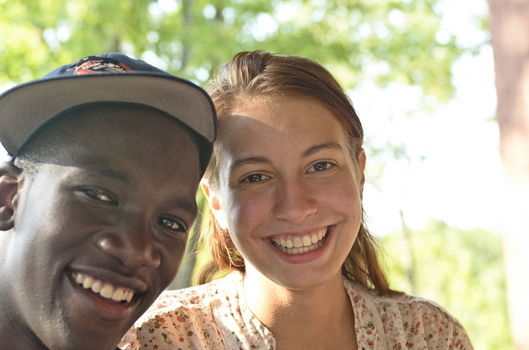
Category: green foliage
<point>379,40</point>
<point>460,270</point>
<point>383,40</point>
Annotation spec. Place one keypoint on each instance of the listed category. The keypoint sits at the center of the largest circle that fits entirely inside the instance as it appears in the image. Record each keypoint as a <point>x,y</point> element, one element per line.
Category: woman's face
<point>289,190</point>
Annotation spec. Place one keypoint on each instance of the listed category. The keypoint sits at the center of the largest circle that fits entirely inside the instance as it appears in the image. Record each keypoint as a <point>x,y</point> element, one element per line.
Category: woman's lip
<point>301,232</point>
<point>304,256</point>
<point>309,241</point>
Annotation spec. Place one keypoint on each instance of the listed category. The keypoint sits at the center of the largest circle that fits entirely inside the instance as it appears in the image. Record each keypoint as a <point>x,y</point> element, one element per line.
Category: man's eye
<point>99,195</point>
<point>255,178</point>
<point>171,224</point>
<point>321,166</point>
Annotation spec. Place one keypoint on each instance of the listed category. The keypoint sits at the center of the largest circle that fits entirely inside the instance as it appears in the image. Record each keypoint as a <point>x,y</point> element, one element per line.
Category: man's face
<point>107,219</point>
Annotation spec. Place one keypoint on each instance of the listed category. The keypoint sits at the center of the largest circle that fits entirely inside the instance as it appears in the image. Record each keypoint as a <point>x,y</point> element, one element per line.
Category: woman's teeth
<point>300,244</point>
<point>106,290</point>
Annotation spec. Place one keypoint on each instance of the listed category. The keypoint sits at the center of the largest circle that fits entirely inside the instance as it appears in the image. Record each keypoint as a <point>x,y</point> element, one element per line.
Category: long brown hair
<point>263,74</point>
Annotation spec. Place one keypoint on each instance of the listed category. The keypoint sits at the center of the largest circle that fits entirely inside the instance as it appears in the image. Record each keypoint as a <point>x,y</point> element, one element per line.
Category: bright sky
<point>460,177</point>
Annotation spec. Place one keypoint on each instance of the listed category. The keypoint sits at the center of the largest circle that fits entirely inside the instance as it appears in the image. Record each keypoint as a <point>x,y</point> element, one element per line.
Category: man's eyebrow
<point>107,172</point>
<point>187,205</point>
<point>317,148</point>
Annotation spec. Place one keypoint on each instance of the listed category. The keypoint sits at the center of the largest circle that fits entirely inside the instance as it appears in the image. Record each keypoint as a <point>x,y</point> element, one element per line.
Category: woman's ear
<point>361,157</point>
<point>214,203</point>
<point>9,184</point>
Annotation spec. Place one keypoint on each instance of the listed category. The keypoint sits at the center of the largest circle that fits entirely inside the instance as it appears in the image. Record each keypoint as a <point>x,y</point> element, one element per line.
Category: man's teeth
<point>106,290</point>
<point>300,244</point>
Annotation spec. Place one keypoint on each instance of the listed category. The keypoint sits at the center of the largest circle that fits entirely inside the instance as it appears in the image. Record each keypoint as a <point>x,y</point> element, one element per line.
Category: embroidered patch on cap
<point>95,65</point>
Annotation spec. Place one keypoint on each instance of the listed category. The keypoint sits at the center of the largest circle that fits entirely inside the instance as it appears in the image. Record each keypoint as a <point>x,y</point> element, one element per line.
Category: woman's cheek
<point>247,211</point>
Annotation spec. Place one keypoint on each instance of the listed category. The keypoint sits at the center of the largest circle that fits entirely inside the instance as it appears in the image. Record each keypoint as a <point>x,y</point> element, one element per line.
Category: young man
<point>97,200</point>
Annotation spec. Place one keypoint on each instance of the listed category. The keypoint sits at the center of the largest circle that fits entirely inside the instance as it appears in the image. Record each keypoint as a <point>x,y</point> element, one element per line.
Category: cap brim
<point>28,106</point>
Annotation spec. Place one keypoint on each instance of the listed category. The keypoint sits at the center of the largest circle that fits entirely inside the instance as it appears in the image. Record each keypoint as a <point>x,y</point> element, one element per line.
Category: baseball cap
<point>110,77</point>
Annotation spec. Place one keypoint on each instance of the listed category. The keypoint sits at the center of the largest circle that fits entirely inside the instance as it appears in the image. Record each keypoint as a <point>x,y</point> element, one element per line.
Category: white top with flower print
<point>214,316</point>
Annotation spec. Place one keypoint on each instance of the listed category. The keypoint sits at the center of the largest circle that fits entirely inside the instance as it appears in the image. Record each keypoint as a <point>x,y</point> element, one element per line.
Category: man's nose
<point>133,243</point>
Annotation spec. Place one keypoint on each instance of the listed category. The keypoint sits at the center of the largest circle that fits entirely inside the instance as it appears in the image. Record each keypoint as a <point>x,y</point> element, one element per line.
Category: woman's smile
<point>299,244</point>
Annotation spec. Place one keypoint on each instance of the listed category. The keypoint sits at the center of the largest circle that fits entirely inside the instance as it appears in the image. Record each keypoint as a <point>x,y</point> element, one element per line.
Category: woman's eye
<point>255,178</point>
<point>99,195</point>
<point>171,224</point>
<point>320,166</point>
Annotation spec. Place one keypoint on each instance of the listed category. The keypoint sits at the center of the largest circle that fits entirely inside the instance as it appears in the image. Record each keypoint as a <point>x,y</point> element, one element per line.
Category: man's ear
<point>9,182</point>
<point>214,203</point>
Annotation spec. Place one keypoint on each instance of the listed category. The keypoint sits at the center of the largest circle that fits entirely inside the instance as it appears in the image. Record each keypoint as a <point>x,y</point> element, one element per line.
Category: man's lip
<point>104,289</point>
<point>105,310</point>
<point>112,277</point>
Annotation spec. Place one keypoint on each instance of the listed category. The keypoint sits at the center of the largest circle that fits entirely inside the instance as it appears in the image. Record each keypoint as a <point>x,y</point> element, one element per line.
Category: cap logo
<point>97,65</point>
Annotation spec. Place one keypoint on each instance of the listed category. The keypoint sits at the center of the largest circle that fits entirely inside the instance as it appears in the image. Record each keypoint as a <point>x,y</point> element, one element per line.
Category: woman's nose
<point>294,202</point>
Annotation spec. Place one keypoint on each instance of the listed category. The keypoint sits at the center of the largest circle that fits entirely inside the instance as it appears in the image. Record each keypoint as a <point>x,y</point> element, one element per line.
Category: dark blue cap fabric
<point>111,77</point>
<point>105,63</point>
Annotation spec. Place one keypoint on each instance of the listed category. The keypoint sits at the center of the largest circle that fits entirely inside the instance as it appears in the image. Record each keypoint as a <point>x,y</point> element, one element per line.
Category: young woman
<point>284,188</point>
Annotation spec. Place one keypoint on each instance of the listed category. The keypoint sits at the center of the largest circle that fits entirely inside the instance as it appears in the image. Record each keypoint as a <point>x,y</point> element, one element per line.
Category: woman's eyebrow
<point>263,160</point>
<point>317,148</point>
<point>250,160</point>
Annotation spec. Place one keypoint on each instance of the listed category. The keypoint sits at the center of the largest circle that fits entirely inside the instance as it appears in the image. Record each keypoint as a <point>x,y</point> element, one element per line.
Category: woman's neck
<point>317,318</point>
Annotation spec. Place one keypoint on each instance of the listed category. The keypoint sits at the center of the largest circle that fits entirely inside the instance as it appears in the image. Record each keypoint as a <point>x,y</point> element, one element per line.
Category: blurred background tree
<point>461,270</point>
<point>509,25</point>
<point>384,41</point>
<point>191,38</point>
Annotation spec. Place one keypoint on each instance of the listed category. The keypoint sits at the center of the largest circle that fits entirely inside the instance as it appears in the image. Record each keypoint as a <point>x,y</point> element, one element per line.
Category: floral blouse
<point>214,316</point>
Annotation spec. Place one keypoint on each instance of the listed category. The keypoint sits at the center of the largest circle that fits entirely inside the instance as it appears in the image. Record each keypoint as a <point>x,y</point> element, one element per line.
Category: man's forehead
<point>102,170</point>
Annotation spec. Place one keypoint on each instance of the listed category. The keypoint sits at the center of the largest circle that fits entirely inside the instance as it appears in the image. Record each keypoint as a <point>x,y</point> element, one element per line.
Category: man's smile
<point>104,289</point>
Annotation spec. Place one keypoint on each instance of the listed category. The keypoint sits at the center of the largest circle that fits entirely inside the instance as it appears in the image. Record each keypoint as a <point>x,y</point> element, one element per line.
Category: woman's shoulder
<point>412,320</point>
<point>402,301</point>
<point>414,308</point>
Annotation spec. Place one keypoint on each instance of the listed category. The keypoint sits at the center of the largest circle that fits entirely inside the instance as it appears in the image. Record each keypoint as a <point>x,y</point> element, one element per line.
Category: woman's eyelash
<point>255,178</point>
<point>317,167</point>
<point>320,166</point>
